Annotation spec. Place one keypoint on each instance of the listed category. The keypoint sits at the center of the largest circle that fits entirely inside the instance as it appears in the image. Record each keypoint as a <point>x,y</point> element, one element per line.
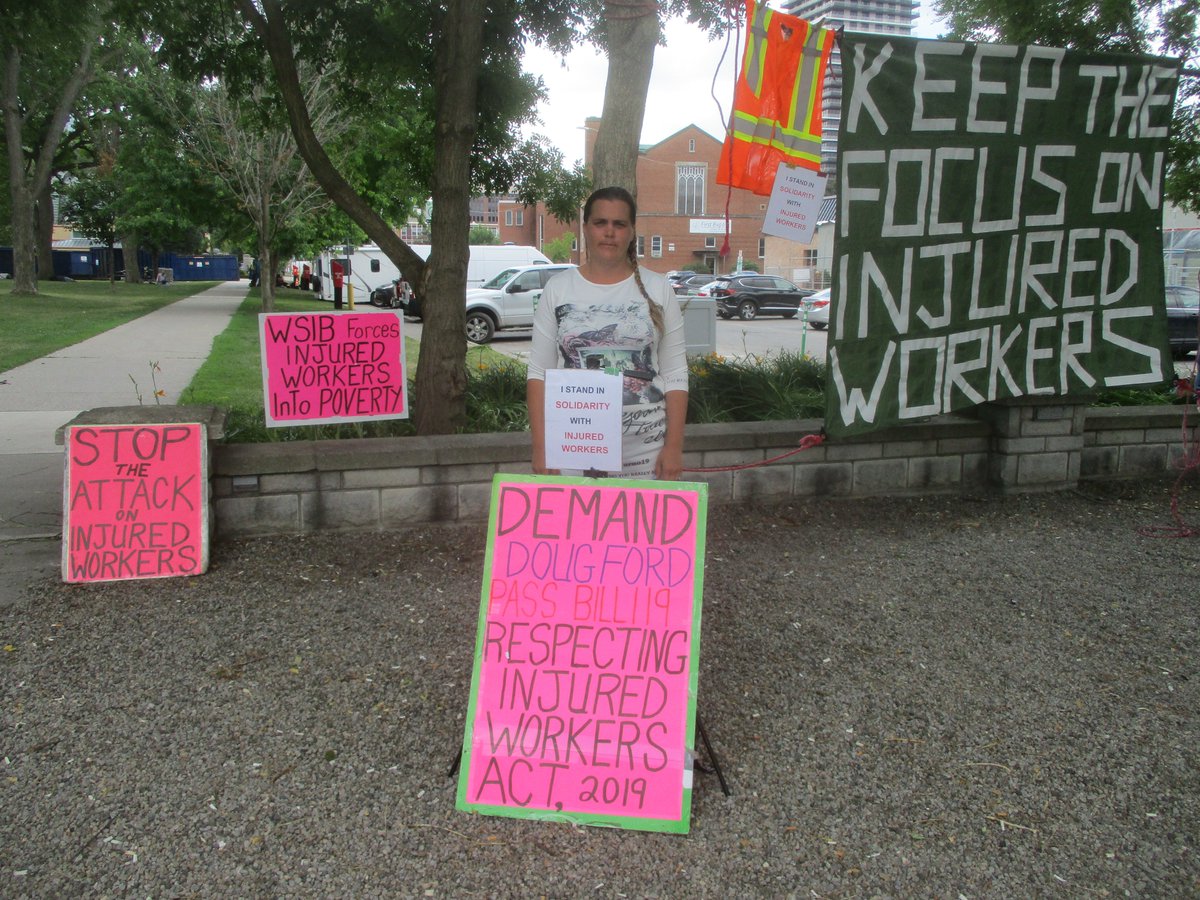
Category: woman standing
<point>610,314</point>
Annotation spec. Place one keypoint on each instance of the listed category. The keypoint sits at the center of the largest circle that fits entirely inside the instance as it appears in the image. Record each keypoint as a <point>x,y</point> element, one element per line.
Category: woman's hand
<point>669,465</point>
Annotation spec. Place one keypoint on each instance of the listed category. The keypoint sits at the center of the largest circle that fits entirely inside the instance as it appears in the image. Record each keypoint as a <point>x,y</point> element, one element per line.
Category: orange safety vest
<point>777,103</point>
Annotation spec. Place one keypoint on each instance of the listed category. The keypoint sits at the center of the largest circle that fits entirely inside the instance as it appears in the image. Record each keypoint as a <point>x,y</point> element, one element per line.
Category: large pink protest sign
<point>587,653</point>
<point>135,502</point>
<point>332,367</point>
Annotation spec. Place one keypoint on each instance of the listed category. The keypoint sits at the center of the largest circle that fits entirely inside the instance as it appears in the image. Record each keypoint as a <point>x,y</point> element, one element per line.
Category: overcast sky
<point>681,86</point>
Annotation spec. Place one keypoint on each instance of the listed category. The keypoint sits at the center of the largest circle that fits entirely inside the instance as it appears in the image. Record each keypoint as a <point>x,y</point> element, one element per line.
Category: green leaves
<point>537,174</point>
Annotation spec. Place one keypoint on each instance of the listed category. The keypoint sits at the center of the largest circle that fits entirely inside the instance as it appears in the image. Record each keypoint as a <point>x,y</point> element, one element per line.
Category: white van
<point>489,260</point>
<point>370,268</point>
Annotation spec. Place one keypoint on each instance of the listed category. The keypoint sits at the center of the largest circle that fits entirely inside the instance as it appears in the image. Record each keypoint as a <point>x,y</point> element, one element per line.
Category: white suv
<point>507,301</point>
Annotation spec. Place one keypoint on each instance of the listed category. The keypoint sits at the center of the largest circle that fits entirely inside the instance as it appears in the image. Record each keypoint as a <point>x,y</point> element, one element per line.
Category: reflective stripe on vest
<point>756,48</point>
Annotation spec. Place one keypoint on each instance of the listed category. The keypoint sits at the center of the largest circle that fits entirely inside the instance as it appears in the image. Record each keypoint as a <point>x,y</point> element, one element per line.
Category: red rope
<point>807,442</point>
<point>728,148</point>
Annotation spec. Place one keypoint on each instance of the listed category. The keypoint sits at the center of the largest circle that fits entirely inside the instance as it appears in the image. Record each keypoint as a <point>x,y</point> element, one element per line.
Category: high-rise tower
<point>869,16</point>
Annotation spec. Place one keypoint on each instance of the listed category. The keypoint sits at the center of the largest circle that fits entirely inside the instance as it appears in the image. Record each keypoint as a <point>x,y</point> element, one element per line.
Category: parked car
<point>749,295</point>
<point>818,313</point>
<point>1183,319</point>
<point>692,283</point>
<point>507,301</point>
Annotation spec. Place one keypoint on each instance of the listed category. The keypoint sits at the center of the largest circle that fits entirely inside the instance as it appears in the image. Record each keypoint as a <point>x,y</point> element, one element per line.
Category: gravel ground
<point>937,697</point>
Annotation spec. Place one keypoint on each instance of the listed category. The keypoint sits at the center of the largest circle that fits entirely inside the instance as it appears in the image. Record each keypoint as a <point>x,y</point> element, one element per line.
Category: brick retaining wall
<point>390,483</point>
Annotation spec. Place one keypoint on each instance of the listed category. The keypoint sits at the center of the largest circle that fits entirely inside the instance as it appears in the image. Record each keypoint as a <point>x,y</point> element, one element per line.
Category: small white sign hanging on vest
<point>794,204</point>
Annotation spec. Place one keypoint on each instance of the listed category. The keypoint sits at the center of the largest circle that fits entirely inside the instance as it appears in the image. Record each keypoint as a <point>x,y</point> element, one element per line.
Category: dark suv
<point>749,295</point>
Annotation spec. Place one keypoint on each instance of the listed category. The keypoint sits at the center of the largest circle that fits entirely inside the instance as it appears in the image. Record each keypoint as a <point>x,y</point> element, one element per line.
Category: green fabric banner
<point>998,226</point>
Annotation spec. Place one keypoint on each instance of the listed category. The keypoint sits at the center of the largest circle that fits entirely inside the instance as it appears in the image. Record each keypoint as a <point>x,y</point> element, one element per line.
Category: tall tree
<point>91,204</point>
<point>1182,185</point>
<point>440,385</point>
<point>48,54</point>
<point>167,199</point>
<point>456,64</point>
<point>1181,35</point>
<point>253,155</point>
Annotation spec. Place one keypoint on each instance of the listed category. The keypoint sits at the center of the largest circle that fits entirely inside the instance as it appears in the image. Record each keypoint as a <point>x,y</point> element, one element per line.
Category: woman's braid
<point>656,313</point>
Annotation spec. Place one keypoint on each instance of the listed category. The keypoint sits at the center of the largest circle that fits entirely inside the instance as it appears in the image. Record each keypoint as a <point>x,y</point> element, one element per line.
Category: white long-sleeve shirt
<point>580,324</point>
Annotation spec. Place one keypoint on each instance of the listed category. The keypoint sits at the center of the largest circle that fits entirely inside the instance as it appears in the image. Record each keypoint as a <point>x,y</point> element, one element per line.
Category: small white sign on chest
<point>583,420</point>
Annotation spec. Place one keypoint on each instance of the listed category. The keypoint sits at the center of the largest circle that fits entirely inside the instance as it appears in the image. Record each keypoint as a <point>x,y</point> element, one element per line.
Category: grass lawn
<point>67,312</point>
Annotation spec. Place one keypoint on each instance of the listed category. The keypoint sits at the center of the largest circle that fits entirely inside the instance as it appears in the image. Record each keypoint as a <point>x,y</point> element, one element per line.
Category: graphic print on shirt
<point>623,346</point>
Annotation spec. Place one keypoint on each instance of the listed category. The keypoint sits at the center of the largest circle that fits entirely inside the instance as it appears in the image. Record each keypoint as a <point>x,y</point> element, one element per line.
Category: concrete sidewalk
<point>40,396</point>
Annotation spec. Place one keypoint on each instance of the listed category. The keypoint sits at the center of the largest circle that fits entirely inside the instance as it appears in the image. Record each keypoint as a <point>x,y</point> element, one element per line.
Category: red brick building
<point>681,209</point>
<point>533,226</point>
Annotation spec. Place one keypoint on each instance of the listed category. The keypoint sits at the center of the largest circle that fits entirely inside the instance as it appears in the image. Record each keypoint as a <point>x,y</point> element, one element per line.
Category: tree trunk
<point>24,272</point>
<point>266,256</point>
<point>24,247</point>
<point>129,249</point>
<point>152,269</point>
<point>44,213</point>
<point>439,398</point>
<point>632,33</point>
<point>266,276</point>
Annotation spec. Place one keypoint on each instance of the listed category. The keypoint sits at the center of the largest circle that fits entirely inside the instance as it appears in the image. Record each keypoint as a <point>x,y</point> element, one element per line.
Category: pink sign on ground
<point>135,502</point>
<point>332,367</point>
<point>587,653</point>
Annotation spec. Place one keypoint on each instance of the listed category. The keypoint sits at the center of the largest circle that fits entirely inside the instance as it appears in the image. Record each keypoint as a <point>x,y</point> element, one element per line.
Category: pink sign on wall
<point>135,502</point>
<point>332,367</point>
<point>587,653</point>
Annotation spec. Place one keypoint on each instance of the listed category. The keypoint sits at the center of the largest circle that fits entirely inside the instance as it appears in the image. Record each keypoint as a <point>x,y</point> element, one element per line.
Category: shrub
<point>1170,391</point>
<point>754,388</point>
<point>496,397</point>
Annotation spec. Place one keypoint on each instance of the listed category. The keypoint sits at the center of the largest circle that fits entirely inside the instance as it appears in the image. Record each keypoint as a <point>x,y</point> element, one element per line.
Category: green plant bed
<point>63,313</point>
<point>1163,395</point>
<point>755,389</point>
<point>744,389</point>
